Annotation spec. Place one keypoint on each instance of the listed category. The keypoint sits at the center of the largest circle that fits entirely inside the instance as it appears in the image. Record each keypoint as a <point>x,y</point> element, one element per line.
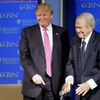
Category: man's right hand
<point>67,85</point>
<point>37,79</point>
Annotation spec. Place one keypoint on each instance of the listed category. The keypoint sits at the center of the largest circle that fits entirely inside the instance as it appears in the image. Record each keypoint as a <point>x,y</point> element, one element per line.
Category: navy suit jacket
<point>90,68</point>
<point>32,57</point>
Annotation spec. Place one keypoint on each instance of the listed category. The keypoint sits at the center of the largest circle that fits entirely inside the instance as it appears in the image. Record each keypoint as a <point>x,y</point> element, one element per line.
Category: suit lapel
<point>55,43</point>
<point>78,54</point>
<point>76,51</point>
<point>36,36</point>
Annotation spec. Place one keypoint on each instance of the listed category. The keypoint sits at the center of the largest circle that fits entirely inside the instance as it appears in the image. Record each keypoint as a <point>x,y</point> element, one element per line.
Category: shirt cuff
<point>69,79</point>
<point>92,84</point>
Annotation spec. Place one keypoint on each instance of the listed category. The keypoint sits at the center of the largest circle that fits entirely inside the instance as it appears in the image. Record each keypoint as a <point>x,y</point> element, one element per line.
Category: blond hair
<point>44,7</point>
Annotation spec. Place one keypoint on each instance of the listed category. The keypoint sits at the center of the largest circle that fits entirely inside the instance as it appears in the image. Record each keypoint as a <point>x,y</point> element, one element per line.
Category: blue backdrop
<point>92,6</point>
<point>14,15</point>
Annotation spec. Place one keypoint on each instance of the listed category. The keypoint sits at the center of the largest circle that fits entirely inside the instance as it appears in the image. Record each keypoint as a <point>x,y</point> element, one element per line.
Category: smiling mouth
<point>42,21</point>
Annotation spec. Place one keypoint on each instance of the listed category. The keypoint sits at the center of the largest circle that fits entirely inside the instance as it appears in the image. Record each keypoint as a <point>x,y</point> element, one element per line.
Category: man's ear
<point>51,16</point>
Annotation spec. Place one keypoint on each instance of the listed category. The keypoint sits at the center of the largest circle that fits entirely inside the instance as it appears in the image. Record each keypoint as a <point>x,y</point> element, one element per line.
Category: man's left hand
<point>82,89</point>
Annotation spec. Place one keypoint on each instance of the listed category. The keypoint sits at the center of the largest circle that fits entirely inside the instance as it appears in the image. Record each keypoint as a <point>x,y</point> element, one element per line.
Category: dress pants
<point>46,93</point>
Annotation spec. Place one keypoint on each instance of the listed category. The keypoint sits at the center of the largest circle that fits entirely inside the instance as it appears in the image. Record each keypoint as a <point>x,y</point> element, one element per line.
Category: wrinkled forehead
<point>43,9</point>
<point>80,20</point>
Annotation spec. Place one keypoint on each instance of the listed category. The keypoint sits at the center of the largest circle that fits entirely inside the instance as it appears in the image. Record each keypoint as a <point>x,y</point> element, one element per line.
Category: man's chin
<point>42,25</point>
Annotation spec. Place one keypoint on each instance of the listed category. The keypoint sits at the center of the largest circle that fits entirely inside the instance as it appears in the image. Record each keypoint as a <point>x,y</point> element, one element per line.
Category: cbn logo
<point>8,44</point>
<point>90,5</point>
<point>9,15</point>
<point>8,74</point>
<point>27,7</point>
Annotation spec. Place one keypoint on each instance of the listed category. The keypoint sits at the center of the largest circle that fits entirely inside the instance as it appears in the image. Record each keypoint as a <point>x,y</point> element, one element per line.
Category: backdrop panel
<point>14,15</point>
<point>92,6</point>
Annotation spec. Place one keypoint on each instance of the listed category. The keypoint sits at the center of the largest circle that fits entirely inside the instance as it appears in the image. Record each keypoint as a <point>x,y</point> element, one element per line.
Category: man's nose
<point>77,30</point>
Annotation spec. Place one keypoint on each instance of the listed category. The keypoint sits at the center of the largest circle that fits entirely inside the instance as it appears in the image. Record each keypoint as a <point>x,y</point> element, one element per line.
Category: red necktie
<point>47,49</point>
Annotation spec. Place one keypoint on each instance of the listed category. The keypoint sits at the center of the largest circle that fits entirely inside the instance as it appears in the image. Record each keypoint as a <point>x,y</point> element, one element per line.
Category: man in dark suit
<point>39,43</point>
<point>83,66</point>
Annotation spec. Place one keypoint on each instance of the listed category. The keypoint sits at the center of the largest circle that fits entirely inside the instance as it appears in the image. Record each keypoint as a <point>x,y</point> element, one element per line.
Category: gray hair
<point>89,19</point>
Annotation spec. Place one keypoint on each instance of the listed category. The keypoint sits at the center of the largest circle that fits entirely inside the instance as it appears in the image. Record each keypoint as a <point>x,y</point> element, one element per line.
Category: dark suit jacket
<point>33,57</point>
<point>90,68</point>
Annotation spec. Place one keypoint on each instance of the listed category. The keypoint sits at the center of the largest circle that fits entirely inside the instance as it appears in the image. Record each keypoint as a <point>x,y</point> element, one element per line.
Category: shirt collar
<point>48,28</point>
<point>87,38</point>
